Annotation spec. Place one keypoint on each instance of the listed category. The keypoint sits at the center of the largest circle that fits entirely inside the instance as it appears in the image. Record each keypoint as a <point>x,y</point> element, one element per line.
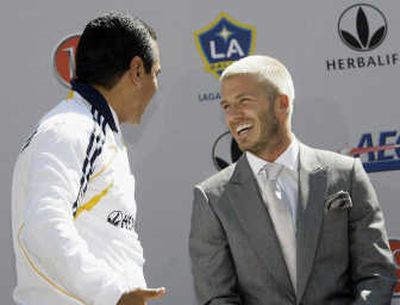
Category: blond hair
<point>269,70</point>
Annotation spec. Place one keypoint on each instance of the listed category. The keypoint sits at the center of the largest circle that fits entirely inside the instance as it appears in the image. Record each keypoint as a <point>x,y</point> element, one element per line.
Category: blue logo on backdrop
<point>378,153</point>
<point>224,41</point>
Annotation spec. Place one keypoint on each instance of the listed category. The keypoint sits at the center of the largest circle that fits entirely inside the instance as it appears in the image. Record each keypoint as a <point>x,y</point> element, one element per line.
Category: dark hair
<point>107,46</point>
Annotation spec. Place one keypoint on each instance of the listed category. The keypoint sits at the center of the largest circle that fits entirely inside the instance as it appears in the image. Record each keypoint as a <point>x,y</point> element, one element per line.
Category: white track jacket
<point>74,208</point>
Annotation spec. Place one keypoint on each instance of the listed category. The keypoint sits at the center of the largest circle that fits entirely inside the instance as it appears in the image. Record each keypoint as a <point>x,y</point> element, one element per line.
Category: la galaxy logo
<point>224,41</point>
<point>64,59</point>
<point>380,152</point>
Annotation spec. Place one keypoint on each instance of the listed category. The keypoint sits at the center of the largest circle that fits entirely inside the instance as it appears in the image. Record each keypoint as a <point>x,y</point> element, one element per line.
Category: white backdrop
<point>171,150</point>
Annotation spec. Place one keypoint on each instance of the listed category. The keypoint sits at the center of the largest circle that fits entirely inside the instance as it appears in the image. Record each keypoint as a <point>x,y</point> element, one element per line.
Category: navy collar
<point>94,98</point>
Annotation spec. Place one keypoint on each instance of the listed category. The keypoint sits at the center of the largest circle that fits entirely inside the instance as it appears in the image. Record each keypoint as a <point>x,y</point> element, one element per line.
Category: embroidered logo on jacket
<point>121,220</point>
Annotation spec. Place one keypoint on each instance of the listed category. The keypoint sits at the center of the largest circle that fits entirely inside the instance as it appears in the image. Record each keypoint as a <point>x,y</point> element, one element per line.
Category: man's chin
<point>134,121</point>
<point>243,146</point>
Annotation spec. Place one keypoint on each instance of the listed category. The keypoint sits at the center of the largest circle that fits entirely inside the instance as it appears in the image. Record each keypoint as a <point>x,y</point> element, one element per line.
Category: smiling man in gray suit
<point>286,224</point>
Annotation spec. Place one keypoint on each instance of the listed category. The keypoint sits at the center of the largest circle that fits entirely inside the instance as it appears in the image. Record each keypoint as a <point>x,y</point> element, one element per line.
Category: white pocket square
<point>339,200</point>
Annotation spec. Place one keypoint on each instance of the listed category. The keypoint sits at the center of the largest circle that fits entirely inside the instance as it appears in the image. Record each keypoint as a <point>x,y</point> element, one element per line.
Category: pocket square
<point>339,200</point>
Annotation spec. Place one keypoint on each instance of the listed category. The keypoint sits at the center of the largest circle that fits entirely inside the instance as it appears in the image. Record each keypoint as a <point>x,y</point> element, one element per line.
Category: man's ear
<point>136,70</point>
<point>283,103</point>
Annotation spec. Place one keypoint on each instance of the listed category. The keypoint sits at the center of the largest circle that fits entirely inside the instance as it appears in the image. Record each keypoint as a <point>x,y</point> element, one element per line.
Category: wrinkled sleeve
<point>49,234</point>
<point>373,270</point>
<point>214,274</point>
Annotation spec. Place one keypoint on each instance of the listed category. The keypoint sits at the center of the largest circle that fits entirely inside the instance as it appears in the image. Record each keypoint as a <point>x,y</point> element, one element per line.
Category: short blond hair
<point>268,69</point>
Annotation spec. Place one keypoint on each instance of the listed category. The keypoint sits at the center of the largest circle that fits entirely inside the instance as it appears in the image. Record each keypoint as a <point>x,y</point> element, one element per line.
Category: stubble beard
<point>270,135</point>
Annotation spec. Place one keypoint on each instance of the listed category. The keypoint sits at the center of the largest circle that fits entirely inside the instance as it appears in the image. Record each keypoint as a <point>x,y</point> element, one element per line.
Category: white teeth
<point>243,127</point>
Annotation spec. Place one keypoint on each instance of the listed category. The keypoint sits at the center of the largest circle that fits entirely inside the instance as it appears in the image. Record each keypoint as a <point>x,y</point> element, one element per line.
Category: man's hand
<point>140,296</point>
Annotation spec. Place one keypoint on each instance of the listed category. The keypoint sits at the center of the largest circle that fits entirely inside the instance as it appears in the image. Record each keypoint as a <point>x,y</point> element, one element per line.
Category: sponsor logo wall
<point>344,58</point>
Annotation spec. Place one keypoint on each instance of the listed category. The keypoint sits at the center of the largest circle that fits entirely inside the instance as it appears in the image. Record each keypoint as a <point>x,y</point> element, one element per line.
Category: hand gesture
<point>140,296</point>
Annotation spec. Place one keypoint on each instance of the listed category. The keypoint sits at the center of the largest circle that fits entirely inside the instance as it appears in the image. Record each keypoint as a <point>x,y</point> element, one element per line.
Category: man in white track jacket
<point>73,200</point>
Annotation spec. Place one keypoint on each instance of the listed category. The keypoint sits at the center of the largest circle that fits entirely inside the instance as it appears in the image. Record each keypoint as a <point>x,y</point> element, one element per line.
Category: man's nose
<point>235,112</point>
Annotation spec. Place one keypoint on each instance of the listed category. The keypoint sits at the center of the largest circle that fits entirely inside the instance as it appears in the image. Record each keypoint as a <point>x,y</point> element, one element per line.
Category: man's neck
<point>112,100</point>
<point>278,147</point>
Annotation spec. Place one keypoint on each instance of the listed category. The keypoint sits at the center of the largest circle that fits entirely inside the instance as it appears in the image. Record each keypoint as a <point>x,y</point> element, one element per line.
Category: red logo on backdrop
<point>395,246</point>
<point>64,59</point>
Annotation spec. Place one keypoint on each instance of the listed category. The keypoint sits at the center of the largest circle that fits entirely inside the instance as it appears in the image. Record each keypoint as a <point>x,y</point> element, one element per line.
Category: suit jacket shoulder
<point>328,159</point>
<point>215,185</point>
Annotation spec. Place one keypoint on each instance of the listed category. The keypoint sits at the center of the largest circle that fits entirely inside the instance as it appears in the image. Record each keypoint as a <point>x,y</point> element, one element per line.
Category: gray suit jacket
<point>343,255</point>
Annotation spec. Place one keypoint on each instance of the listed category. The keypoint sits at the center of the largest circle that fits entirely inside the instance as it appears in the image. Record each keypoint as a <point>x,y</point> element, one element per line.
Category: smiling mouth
<point>242,129</point>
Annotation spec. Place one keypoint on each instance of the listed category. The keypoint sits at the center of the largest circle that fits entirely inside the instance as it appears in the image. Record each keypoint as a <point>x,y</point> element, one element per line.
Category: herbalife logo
<point>362,27</point>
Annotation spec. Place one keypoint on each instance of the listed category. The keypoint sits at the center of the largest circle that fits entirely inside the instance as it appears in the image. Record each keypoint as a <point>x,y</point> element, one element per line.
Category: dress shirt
<point>288,177</point>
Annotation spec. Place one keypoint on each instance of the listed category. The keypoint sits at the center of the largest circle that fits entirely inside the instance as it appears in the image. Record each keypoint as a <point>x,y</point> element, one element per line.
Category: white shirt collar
<point>289,158</point>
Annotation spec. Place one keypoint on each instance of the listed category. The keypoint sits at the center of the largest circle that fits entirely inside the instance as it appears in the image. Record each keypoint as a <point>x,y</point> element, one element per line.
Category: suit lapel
<point>246,201</point>
<point>312,189</point>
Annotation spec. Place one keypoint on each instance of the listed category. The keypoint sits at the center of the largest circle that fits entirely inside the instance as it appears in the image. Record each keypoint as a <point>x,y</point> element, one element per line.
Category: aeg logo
<point>64,59</point>
<point>379,152</point>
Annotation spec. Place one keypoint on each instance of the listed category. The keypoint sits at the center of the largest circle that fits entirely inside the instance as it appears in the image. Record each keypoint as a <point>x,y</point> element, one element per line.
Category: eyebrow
<point>236,97</point>
<point>241,95</point>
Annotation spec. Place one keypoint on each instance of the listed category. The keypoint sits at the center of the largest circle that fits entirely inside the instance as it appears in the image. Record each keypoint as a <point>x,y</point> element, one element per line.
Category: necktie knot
<point>272,171</point>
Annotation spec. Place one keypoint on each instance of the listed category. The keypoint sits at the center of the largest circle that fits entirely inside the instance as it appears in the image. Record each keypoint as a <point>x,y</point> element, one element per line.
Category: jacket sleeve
<point>213,270</point>
<point>373,271</point>
<point>49,234</point>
